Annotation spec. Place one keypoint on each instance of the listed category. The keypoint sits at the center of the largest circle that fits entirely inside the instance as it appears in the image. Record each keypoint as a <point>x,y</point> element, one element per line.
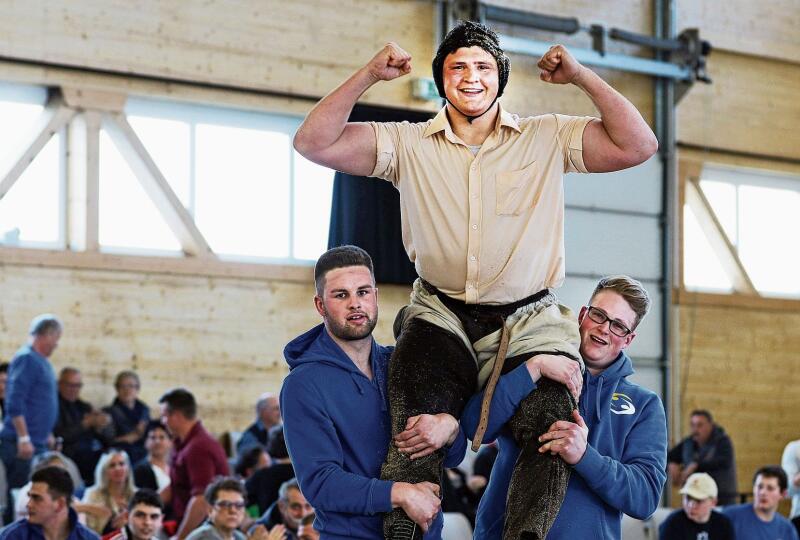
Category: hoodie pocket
<point>517,191</point>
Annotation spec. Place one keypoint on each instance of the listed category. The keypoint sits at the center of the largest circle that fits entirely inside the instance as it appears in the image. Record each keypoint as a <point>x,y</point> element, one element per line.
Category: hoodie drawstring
<point>597,395</point>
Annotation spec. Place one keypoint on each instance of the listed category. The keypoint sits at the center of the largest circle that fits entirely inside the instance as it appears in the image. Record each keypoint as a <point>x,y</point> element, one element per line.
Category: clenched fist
<point>390,63</point>
<point>558,66</point>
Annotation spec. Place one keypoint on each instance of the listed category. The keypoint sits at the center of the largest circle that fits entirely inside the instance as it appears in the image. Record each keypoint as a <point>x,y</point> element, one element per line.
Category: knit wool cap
<point>471,34</point>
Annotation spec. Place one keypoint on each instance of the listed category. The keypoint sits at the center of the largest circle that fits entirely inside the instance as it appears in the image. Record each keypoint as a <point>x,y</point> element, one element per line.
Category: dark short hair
<point>471,34</point>
<point>156,424</point>
<point>148,497</point>
<point>182,401</point>
<point>4,367</point>
<point>773,471</point>
<point>276,445</point>
<point>702,412</point>
<point>224,483</point>
<point>248,458</point>
<point>59,483</point>
<point>44,324</point>
<point>340,257</point>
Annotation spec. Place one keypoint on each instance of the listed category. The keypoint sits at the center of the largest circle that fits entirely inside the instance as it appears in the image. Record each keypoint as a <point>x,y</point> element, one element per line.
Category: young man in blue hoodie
<point>617,444</point>
<point>336,412</point>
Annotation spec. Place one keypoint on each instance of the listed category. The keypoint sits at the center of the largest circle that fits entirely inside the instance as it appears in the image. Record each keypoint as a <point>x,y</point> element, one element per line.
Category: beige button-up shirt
<point>485,228</point>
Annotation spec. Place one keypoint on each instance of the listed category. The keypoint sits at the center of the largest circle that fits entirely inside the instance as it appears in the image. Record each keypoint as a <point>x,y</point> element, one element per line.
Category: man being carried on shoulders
<point>482,208</point>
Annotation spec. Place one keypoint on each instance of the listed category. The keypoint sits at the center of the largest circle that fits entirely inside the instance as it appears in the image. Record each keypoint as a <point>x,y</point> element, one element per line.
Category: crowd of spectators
<point>117,473</point>
<point>114,472</point>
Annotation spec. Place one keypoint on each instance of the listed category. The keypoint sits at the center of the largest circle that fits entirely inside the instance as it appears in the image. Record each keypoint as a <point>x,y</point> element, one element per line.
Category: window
<point>759,212</point>
<point>31,213</point>
<point>251,195</point>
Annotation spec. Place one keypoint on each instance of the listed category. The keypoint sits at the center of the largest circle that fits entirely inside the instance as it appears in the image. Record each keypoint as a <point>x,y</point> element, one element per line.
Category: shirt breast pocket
<point>517,191</point>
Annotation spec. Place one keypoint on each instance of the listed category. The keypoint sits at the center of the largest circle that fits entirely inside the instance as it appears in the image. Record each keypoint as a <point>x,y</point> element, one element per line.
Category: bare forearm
<point>326,122</point>
<point>196,512</point>
<point>621,120</point>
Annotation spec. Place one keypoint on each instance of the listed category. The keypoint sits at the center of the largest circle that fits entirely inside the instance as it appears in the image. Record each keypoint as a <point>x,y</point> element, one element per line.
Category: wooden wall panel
<point>742,365</point>
<point>763,29</point>
<point>297,47</point>
<point>222,338</point>
<point>751,107</point>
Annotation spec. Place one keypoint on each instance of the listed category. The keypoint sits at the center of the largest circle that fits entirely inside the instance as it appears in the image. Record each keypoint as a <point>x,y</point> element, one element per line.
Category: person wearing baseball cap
<point>697,519</point>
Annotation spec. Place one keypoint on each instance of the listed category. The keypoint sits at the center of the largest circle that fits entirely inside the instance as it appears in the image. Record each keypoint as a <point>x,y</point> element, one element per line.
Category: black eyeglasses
<point>230,505</point>
<point>599,316</point>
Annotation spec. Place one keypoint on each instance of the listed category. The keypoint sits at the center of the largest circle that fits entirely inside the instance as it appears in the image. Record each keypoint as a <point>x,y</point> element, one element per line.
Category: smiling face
<point>117,469</point>
<point>599,346</point>
<point>471,80</point>
<point>349,303</point>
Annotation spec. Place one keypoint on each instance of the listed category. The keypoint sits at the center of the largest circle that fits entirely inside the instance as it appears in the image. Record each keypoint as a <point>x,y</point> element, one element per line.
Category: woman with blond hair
<point>107,500</point>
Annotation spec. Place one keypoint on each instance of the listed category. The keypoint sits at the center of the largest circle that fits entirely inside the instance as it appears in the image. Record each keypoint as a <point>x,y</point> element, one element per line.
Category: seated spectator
<point>263,486</point>
<point>697,519</point>
<point>268,414</point>
<point>250,460</point>
<point>83,430</point>
<point>112,491</point>
<point>49,513</point>
<point>48,459</point>
<point>3,381</point>
<point>130,416</point>
<point>226,499</point>
<point>760,519</point>
<point>153,471</point>
<point>456,495</point>
<point>145,516</point>
<point>708,449</point>
<point>289,510</point>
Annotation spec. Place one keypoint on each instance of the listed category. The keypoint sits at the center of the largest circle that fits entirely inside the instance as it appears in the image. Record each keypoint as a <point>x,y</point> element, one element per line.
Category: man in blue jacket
<point>336,412</point>
<point>617,443</point>
<point>31,402</point>
<point>50,516</point>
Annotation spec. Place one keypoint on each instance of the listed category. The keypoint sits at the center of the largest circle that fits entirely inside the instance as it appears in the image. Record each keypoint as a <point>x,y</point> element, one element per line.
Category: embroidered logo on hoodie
<point>622,404</point>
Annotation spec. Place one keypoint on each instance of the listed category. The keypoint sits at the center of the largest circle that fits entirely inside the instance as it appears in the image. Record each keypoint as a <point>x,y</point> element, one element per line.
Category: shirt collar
<point>440,122</point>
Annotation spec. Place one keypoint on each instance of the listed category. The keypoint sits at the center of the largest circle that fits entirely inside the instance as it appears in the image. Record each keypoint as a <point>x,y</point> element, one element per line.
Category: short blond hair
<point>631,290</point>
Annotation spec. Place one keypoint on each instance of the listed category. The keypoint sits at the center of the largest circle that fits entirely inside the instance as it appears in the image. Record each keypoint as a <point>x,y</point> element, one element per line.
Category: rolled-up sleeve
<point>570,138</point>
<point>387,136</point>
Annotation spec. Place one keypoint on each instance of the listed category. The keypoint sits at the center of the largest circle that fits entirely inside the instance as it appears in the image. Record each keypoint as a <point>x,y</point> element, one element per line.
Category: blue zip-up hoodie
<point>622,471</point>
<point>337,429</point>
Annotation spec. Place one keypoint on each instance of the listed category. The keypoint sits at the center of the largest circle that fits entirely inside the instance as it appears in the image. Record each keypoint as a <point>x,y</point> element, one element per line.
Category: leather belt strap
<point>490,386</point>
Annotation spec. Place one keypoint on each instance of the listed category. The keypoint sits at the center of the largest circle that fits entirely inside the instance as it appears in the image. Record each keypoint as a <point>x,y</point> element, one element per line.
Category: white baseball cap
<point>700,486</point>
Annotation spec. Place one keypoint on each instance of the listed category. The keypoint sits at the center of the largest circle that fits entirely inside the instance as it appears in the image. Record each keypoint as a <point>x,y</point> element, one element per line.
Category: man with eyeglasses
<point>289,510</point>
<point>83,429</point>
<point>616,444</point>
<point>225,497</point>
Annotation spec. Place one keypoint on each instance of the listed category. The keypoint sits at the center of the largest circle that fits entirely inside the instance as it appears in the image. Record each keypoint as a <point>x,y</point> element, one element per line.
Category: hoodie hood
<point>317,347</point>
